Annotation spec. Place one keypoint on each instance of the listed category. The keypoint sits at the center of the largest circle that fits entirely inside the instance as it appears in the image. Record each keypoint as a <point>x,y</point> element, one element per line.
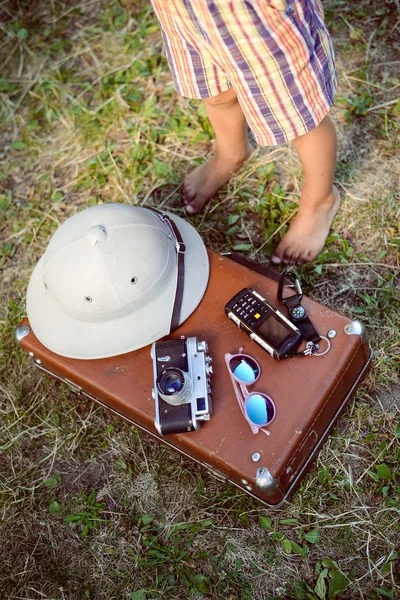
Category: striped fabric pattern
<point>276,54</point>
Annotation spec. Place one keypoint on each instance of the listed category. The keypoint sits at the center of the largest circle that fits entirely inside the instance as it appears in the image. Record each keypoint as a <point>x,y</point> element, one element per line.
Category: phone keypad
<point>249,308</point>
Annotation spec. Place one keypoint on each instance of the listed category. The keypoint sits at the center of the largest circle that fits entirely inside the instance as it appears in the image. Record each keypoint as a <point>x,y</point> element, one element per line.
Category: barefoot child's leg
<point>271,64</point>
<point>319,200</point>
<point>232,149</point>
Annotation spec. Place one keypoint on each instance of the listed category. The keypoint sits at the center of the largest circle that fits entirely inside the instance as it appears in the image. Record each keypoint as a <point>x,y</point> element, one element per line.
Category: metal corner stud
<point>356,328</point>
<point>265,482</point>
<point>20,332</point>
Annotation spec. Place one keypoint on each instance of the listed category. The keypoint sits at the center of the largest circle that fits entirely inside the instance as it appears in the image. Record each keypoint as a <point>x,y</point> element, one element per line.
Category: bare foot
<point>205,181</point>
<point>307,234</point>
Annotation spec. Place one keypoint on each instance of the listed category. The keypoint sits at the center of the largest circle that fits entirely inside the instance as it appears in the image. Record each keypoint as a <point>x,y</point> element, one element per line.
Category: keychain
<point>298,314</point>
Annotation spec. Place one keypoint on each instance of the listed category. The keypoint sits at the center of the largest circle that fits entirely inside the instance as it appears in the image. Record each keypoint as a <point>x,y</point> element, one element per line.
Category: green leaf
<point>318,568</point>
<point>356,34</point>
<point>300,588</point>
<point>287,546</point>
<point>72,518</point>
<point>330,564</point>
<point>323,475</point>
<point>22,34</point>
<point>58,196</point>
<point>296,549</point>
<point>51,482</point>
<point>200,582</point>
<point>20,145</point>
<point>277,189</point>
<point>55,508</point>
<point>312,536</point>
<point>398,430</point>
<point>266,171</point>
<point>192,526</point>
<point>121,20</point>
<point>337,584</point>
<point>148,518</point>
<point>384,472</point>
<point>320,587</point>
<point>242,247</point>
<point>265,522</point>
<point>160,168</point>
<point>232,230</point>
<point>304,551</point>
<point>139,595</point>
<point>394,556</point>
<point>288,521</point>
<point>383,26</point>
<point>232,219</point>
<point>373,475</point>
<point>92,497</point>
<point>383,592</point>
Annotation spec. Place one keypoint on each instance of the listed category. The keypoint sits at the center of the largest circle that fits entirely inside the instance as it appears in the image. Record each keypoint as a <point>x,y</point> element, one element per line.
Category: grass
<point>91,508</point>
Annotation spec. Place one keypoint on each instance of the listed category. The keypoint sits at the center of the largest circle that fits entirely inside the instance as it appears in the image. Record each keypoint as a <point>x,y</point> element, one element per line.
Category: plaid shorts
<point>276,54</point>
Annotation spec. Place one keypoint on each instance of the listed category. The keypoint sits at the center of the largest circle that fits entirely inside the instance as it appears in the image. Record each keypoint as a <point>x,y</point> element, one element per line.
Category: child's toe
<point>276,259</point>
<point>193,208</point>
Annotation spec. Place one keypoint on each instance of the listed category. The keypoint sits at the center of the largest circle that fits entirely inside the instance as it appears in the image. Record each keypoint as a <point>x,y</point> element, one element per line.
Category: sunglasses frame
<point>242,393</point>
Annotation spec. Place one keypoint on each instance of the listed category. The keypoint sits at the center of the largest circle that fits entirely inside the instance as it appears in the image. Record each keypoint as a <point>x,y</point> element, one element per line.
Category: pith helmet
<point>111,279</point>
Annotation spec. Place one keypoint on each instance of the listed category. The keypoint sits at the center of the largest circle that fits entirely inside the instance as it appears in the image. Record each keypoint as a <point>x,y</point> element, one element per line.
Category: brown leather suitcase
<point>309,392</point>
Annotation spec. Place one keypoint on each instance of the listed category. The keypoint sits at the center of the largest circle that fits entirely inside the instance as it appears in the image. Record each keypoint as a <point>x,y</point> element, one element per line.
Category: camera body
<point>182,389</point>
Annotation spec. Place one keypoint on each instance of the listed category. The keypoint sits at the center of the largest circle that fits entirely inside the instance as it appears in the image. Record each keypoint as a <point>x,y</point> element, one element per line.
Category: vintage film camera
<point>181,384</point>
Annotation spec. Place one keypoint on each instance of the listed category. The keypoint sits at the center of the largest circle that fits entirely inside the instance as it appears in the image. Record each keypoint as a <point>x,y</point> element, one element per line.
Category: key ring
<point>312,345</point>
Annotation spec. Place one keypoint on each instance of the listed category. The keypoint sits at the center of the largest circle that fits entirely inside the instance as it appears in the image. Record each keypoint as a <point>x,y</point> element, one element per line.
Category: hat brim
<point>82,340</point>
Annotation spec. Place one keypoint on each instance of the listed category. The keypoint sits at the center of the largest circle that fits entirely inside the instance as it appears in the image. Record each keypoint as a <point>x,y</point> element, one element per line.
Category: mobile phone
<point>264,324</point>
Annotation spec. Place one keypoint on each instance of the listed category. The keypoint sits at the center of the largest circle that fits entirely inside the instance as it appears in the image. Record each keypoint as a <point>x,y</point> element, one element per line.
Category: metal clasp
<point>295,285</point>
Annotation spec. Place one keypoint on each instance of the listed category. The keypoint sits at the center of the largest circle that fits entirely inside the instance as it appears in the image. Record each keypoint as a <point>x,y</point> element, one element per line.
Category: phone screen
<point>273,330</point>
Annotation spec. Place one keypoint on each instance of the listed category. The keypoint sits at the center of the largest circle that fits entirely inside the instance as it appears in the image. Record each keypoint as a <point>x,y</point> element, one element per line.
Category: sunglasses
<point>258,409</point>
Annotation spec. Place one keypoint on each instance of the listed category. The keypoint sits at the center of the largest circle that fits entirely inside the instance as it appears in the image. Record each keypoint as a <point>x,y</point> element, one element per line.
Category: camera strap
<point>297,312</point>
<point>180,261</point>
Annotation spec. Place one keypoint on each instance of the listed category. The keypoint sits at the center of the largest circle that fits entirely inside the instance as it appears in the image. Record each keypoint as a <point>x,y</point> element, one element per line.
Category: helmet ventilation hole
<point>88,298</point>
<point>134,280</point>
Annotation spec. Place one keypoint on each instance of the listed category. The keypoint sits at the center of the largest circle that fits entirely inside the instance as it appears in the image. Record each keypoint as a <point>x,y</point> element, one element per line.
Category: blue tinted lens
<point>244,369</point>
<point>259,409</point>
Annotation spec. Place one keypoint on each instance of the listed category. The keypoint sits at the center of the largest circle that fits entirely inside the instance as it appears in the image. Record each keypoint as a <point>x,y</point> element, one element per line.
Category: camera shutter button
<point>202,346</point>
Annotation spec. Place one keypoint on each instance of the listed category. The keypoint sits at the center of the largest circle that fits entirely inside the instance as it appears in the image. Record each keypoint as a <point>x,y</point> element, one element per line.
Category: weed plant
<point>90,507</point>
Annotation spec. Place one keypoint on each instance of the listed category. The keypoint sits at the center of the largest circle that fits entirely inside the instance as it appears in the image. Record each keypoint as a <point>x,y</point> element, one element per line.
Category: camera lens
<point>171,381</point>
<point>174,386</point>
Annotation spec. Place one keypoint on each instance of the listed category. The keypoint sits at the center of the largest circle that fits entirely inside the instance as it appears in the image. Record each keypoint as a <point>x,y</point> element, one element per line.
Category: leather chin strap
<point>180,261</point>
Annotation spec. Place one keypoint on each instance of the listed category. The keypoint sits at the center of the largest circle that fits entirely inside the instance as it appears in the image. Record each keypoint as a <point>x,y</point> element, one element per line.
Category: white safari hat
<point>111,279</point>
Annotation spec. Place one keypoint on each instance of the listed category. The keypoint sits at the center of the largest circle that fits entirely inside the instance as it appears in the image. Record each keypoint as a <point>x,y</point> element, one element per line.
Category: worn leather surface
<point>307,391</point>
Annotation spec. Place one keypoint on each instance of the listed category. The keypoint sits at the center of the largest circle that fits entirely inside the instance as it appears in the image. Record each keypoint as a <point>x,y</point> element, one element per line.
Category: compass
<point>298,312</point>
